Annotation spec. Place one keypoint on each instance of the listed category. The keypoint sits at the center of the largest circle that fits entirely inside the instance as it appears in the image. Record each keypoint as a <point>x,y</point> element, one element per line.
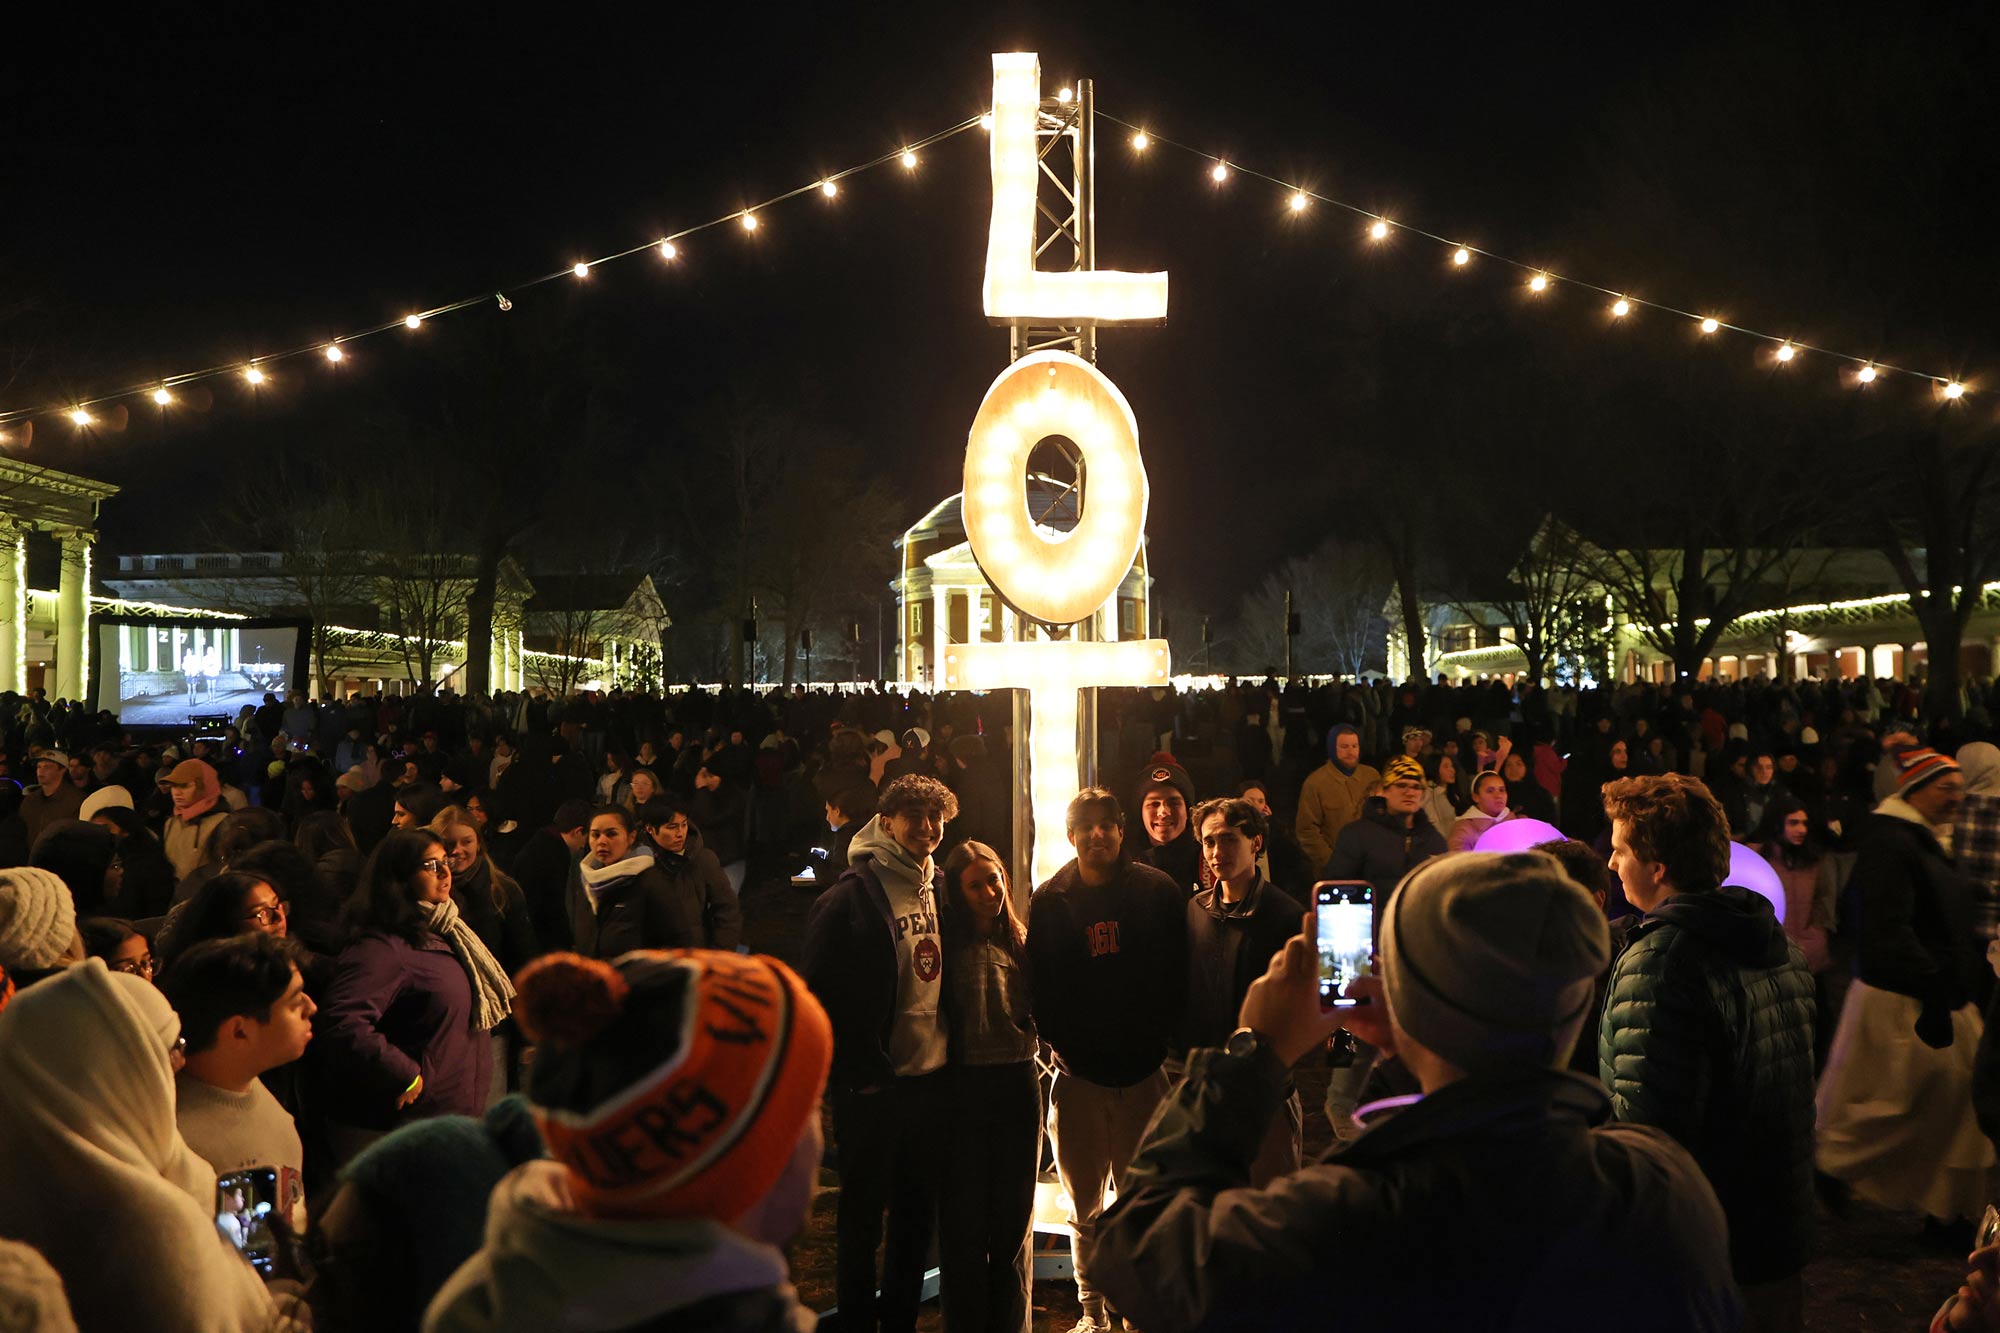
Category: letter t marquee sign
<point>1053,578</point>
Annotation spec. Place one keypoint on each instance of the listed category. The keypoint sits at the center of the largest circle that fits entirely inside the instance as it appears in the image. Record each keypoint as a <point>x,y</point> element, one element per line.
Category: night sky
<point>191,190</point>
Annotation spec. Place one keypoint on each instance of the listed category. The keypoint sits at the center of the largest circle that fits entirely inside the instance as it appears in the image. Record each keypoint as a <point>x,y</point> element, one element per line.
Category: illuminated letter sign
<point>1015,289</point>
<point>1055,578</point>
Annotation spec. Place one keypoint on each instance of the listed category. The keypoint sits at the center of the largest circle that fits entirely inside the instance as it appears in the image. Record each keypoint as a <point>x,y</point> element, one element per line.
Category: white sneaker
<point>1088,1325</point>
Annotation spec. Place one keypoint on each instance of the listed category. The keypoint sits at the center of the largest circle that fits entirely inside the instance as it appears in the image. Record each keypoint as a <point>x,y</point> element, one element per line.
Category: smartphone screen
<point>243,1204</point>
<point>1344,913</point>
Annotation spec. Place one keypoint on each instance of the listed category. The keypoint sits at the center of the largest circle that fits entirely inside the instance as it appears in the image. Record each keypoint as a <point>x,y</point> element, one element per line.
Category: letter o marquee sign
<point>1063,581</point>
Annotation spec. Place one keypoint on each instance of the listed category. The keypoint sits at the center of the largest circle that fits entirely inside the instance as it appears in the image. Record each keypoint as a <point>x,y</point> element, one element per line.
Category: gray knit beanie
<point>32,1299</point>
<point>37,919</point>
<point>1490,959</point>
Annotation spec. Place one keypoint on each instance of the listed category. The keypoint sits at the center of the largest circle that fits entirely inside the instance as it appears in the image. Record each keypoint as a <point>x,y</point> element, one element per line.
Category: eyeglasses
<point>437,865</point>
<point>141,966</point>
<point>266,916</point>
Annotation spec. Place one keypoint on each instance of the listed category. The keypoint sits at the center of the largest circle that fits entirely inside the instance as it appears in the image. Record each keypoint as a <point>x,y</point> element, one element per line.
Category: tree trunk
<point>1413,619</point>
<point>1944,632</point>
<point>479,603</point>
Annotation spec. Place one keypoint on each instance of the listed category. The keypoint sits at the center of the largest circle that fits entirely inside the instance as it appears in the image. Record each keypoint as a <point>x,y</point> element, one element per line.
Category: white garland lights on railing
<point>256,372</point>
<point>1858,371</point>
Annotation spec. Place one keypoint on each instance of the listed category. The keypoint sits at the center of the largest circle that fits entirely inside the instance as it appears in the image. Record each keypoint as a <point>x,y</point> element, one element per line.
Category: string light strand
<point>331,348</point>
<point>1867,369</point>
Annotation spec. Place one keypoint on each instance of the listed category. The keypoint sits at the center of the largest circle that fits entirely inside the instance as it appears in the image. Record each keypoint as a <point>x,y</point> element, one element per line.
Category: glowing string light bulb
<point>1219,172</point>
<point>1378,229</point>
<point>668,250</point>
<point>161,396</point>
<point>334,354</point>
<point>829,189</point>
<point>1299,201</point>
<point>749,220</point>
<point>1953,389</point>
<point>412,321</point>
<point>1141,141</point>
<point>254,375</point>
<point>1787,352</point>
<point>909,160</point>
<point>1621,308</point>
<point>1539,283</point>
<point>1461,256</point>
<point>1063,95</point>
<point>1867,375</point>
<point>986,121</point>
<point>1710,325</point>
<point>80,417</point>
<point>581,269</point>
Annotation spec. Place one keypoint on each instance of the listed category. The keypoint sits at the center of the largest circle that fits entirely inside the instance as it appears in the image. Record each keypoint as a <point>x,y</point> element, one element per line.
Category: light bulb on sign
<point>1015,291</point>
<point>1710,325</point>
<point>1379,229</point>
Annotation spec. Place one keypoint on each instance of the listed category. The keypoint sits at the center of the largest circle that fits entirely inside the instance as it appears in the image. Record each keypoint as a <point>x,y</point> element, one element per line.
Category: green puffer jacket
<point>1707,1033</point>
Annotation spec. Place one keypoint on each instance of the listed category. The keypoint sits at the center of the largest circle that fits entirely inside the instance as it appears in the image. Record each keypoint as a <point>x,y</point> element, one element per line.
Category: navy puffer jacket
<point>1707,1033</point>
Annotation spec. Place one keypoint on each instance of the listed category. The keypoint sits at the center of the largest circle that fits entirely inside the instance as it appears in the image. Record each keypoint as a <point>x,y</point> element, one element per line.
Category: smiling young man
<point>243,1011</point>
<point>874,959</point>
<point>1165,794</point>
<point>1107,966</point>
<point>1393,836</point>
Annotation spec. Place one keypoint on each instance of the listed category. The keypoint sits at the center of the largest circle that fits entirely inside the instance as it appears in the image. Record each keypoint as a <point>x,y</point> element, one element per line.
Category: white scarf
<point>492,993</point>
<point>599,880</point>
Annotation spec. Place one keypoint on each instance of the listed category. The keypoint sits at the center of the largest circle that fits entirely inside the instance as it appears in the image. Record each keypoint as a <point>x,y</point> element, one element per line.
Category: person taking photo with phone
<point>1551,1217</point>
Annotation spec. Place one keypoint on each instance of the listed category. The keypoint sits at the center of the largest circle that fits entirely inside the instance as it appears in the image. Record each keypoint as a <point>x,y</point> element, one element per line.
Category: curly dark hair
<point>913,791</point>
<point>1675,820</point>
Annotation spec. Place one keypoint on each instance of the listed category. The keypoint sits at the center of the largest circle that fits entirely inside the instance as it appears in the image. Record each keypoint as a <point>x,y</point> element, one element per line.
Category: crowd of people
<point>434,1011</point>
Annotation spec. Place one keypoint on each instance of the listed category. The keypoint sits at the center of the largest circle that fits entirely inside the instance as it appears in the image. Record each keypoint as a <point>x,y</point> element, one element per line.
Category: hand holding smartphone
<point>1344,930</point>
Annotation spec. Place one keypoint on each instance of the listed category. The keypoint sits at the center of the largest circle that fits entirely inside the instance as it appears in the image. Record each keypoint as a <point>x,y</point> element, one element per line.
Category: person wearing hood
<point>1707,975</point>
<point>644,1217</point>
<point>1234,928</point>
<point>688,902</point>
<point>608,905</point>
<point>1333,795</point>
<point>1896,1120</point>
<point>99,1179</point>
<point>1393,836</point>
<point>1166,793</point>
<point>873,957</point>
<point>1489,807</point>
<point>198,812</point>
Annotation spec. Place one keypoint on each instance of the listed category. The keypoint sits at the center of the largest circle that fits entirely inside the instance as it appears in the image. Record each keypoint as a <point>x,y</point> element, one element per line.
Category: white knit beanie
<point>37,919</point>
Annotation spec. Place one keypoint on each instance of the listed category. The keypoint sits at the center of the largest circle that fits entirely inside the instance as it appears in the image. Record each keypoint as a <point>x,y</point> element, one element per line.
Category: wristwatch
<point>1245,1043</point>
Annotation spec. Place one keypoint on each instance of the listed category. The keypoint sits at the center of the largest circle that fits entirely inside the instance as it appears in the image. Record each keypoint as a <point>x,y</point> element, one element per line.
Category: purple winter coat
<point>394,1010</point>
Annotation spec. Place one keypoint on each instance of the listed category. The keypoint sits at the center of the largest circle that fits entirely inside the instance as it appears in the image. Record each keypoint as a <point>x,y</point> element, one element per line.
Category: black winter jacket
<point>1500,1203</point>
<point>849,964</point>
<point>1908,911</point>
<point>1377,848</point>
<point>679,902</point>
<point>1707,1034</point>
<point>1227,950</point>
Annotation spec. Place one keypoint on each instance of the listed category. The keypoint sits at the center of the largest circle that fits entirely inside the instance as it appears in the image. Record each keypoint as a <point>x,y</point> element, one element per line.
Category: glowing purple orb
<point>1517,835</point>
<point>1748,870</point>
